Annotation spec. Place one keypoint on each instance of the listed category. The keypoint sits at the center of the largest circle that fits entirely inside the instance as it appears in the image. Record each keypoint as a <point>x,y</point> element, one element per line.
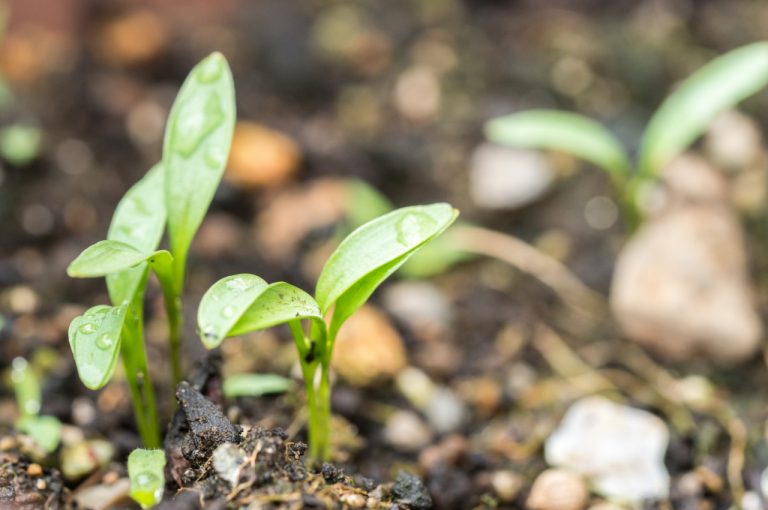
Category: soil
<point>101,109</point>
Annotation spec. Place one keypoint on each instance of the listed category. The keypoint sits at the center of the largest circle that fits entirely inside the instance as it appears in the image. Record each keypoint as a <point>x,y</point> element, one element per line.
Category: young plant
<point>44,430</point>
<point>679,121</point>
<point>146,472</point>
<point>363,260</point>
<point>177,191</point>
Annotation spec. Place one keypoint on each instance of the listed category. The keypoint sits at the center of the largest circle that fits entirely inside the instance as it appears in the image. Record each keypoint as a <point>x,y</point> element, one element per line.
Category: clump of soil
<point>25,484</point>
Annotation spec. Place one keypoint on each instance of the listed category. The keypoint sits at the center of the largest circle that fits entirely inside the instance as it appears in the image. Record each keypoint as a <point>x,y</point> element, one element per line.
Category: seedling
<point>363,260</point>
<point>44,430</point>
<point>178,191</point>
<point>679,121</point>
<point>145,470</point>
<point>255,385</point>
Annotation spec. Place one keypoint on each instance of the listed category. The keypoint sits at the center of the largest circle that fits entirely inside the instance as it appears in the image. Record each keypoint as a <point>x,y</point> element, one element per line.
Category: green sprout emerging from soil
<point>679,121</point>
<point>176,191</point>
<point>243,303</point>
<point>44,430</point>
<point>145,470</point>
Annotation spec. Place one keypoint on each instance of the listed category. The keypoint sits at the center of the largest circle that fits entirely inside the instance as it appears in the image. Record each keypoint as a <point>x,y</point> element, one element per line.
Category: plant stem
<point>172,282</point>
<point>323,439</point>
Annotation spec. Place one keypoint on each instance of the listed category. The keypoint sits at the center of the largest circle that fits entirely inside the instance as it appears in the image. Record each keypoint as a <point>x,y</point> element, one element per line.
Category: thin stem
<point>148,389</point>
<point>323,438</point>
<point>172,290</point>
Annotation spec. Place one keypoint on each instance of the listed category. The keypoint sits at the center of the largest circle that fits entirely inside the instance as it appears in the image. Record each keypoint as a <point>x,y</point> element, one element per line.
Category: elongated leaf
<point>562,131</point>
<point>26,387</point>
<point>146,471</point>
<point>255,385</point>
<point>107,257</point>
<point>243,303</point>
<point>372,252</point>
<point>686,113</point>
<point>44,430</point>
<point>94,338</point>
<point>196,147</point>
<point>139,221</point>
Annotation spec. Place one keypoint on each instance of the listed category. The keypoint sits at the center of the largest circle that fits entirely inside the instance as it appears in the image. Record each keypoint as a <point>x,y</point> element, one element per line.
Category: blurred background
<point>394,95</point>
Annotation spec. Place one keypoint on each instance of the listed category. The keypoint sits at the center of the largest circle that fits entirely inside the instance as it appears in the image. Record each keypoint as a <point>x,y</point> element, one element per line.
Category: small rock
<point>681,284</point>
<point>261,157</point>
<point>416,386</point>
<point>449,452</point>
<point>103,496</point>
<point>368,348</point>
<point>733,140</point>
<point>408,489</point>
<point>354,500</point>
<point>445,411</point>
<point>506,484</point>
<point>227,459</point>
<point>34,470</point>
<point>507,178</point>
<point>418,93</point>
<point>558,489</point>
<point>619,448</point>
<point>132,38</point>
<point>84,457</point>
<point>41,484</point>
<point>407,432</point>
<point>420,305</point>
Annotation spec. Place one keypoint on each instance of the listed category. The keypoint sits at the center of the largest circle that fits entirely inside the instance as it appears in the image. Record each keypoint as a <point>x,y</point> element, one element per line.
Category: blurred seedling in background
<point>678,123</point>
<point>44,430</point>
<point>146,472</point>
<point>244,303</point>
<point>176,191</point>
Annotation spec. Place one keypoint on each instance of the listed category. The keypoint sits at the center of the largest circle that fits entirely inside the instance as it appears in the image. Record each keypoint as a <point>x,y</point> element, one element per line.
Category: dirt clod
<point>408,489</point>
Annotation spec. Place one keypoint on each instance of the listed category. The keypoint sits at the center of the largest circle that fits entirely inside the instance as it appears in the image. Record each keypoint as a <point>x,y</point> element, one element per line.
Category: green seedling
<point>363,260</point>
<point>44,430</point>
<point>679,121</point>
<point>146,472</point>
<point>20,144</point>
<point>255,385</point>
<point>176,192</point>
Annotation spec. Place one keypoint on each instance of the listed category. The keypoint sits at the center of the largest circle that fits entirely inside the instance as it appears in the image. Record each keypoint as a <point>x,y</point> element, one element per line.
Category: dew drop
<point>237,284</point>
<point>146,480</point>
<point>413,228</point>
<point>87,329</point>
<point>105,342</point>
<point>228,312</point>
<point>209,333</point>
<point>194,124</point>
<point>210,69</point>
<point>215,157</point>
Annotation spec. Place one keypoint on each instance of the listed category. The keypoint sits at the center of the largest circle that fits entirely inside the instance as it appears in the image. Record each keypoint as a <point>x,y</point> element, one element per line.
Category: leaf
<point>243,303</point>
<point>374,251</point>
<point>255,385</point>
<point>139,221</point>
<point>196,147</point>
<point>565,132</point>
<point>686,113</point>
<point>145,469</point>
<point>94,338</point>
<point>107,257</point>
<point>44,430</point>
<point>26,386</point>
<point>436,257</point>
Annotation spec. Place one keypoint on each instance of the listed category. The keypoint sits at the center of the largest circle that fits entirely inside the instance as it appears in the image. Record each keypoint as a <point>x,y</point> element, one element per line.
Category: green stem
<point>172,283</point>
<point>323,439</point>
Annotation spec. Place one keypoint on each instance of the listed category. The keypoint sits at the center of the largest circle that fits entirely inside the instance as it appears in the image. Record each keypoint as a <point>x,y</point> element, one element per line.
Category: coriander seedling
<point>177,191</point>
<point>145,470</point>
<point>44,430</point>
<point>679,121</point>
<point>363,260</point>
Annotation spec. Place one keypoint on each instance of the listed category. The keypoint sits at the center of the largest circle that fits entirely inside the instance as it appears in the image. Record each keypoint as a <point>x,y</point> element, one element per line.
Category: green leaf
<point>436,257</point>
<point>255,385</point>
<point>106,257</point>
<point>26,386</point>
<point>687,112</point>
<point>196,147</point>
<point>374,251</point>
<point>94,338</point>
<point>243,303</point>
<point>44,430</point>
<point>145,469</point>
<point>20,144</point>
<point>565,132</point>
<point>139,221</point>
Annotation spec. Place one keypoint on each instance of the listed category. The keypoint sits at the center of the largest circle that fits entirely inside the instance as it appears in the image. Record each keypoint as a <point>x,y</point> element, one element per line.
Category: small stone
<point>506,484</point>
<point>408,489</point>
<point>449,452</point>
<point>133,38</point>
<point>354,500</point>
<point>558,489</point>
<point>7,443</point>
<point>34,470</point>
<point>418,93</point>
<point>445,411</point>
<point>368,349</point>
<point>416,386</point>
<point>407,432</point>
<point>261,157</point>
<point>733,140</point>
<point>103,496</point>
<point>506,177</point>
<point>619,448</point>
<point>420,305</point>
<point>681,284</point>
<point>227,459</point>
<point>84,457</point>
<point>41,484</point>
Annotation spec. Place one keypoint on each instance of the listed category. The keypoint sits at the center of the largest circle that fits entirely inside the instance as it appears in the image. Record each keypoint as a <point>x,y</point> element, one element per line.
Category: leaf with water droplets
<point>243,303</point>
<point>145,470</point>
<point>139,221</point>
<point>44,430</point>
<point>94,338</point>
<point>373,252</point>
<point>26,387</point>
<point>107,257</point>
<point>196,146</point>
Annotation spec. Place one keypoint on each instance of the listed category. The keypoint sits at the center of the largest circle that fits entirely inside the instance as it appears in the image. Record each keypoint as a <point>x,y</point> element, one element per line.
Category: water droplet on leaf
<point>237,284</point>
<point>215,157</point>
<point>210,69</point>
<point>413,228</point>
<point>194,124</point>
<point>228,312</point>
<point>87,329</point>
<point>105,342</point>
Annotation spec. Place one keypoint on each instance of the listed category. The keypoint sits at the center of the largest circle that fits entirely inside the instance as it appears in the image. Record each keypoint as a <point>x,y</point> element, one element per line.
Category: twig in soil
<point>528,259</point>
